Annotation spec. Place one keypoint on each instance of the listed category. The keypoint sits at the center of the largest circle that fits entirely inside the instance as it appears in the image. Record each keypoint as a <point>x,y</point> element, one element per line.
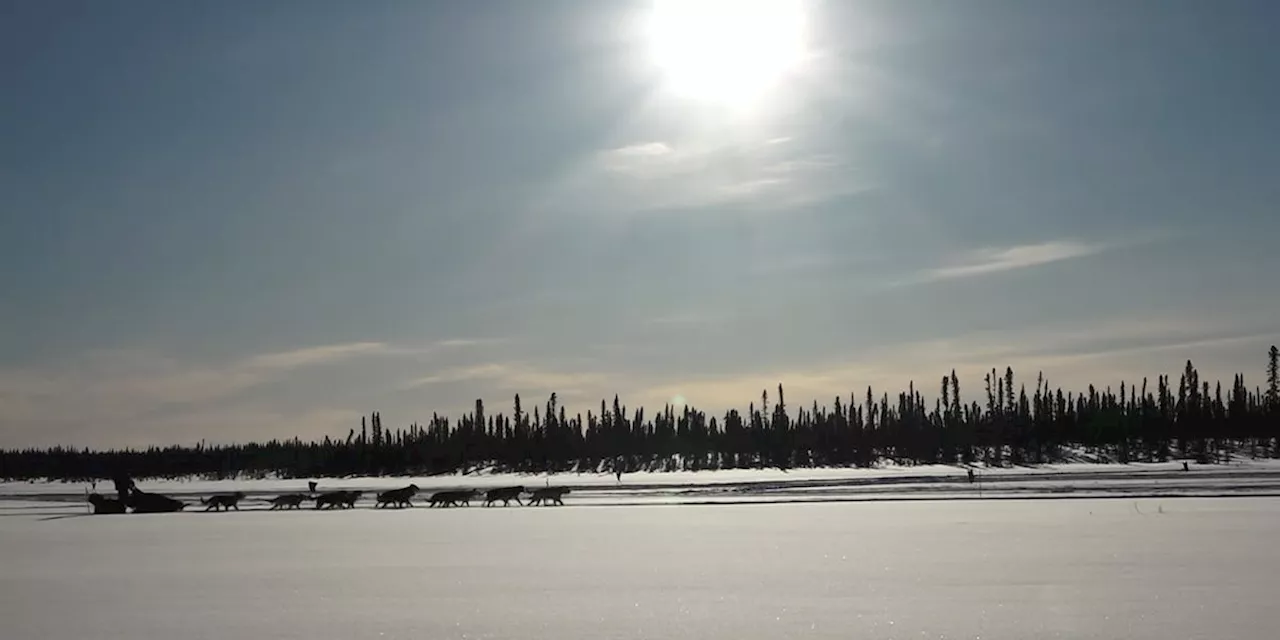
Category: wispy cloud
<point>286,360</point>
<point>458,343</point>
<point>1070,356</point>
<point>134,392</point>
<point>520,377</point>
<point>460,374</point>
<point>994,260</point>
<point>122,381</point>
<point>772,173</point>
<point>131,397</point>
<point>641,159</point>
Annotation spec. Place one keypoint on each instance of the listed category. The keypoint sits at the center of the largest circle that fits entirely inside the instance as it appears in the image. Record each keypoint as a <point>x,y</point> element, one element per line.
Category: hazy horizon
<point>237,221</point>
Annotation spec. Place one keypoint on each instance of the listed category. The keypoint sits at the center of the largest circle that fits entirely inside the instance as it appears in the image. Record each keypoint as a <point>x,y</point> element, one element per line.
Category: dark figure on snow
<point>505,494</point>
<point>142,502</point>
<point>287,501</point>
<point>548,495</point>
<point>125,486</point>
<point>337,499</point>
<point>452,498</point>
<point>223,501</point>
<point>138,501</point>
<point>103,505</point>
<point>971,476</point>
<point>1184,466</point>
<point>397,497</point>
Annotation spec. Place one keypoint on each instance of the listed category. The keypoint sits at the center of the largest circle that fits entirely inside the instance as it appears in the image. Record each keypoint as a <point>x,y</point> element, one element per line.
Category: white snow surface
<point>891,553</point>
<point>1158,569</point>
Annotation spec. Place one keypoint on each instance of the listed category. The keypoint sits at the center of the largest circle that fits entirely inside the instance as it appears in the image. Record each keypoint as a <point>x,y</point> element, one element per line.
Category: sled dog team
<point>345,499</point>
<point>399,498</point>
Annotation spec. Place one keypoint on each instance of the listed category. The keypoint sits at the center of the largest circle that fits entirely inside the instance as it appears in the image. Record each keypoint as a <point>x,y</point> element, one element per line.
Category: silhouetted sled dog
<point>329,500</point>
<point>142,502</point>
<point>287,501</point>
<point>223,501</point>
<point>339,499</point>
<point>548,495</point>
<point>452,498</point>
<point>398,497</point>
<point>103,505</point>
<point>505,494</point>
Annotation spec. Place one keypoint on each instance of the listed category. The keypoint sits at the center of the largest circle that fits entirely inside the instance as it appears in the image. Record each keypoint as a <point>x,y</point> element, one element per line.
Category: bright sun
<point>727,51</point>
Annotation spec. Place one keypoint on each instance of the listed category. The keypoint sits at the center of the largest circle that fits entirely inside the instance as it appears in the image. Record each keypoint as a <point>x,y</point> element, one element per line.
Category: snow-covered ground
<point>1140,569</point>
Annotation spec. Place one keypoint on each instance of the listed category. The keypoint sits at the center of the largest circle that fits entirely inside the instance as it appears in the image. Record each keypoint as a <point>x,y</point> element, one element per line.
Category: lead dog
<point>548,495</point>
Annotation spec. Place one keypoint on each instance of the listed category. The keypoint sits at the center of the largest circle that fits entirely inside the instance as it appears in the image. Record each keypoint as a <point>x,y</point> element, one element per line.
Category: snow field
<point>1019,569</point>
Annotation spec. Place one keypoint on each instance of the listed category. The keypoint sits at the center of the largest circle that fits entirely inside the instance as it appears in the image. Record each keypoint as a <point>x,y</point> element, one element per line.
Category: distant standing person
<point>971,476</point>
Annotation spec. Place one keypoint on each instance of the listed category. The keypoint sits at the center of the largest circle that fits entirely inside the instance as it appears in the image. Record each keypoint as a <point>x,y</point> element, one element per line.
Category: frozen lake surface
<point>1141,568</point>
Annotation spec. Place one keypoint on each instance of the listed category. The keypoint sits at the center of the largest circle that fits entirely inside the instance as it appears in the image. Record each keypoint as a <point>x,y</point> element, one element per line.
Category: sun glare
<point>728,51</point>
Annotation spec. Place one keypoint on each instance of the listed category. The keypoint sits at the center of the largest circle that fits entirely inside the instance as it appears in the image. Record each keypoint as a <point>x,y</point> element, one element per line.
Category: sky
<point>239,221</point>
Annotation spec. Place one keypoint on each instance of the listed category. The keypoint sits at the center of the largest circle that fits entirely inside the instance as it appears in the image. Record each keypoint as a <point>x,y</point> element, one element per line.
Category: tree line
<point>1153,421</point>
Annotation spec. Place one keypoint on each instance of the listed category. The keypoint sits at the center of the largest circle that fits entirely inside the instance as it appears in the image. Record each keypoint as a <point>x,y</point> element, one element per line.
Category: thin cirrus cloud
<point>141,394</point>
<point>286,360</point>
<point>517,376</point>
<point>126,381</point>
<point>995,260</point>
<point>1126,347</point>
<point>1130,349</point>
<point>657,175</point>
<point>640,159</point>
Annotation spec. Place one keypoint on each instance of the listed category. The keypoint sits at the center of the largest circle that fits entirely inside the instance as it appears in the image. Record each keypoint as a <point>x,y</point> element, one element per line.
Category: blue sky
<point>239,220</point>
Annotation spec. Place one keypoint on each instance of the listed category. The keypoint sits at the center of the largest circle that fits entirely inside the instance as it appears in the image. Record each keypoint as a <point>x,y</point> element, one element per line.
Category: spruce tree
<point>1273,378</point>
